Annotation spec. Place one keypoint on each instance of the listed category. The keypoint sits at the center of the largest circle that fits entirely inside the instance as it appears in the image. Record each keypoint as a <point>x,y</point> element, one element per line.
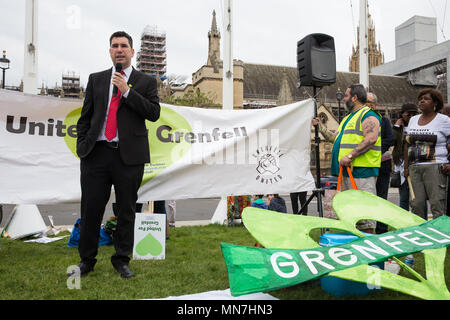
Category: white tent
<point>25,220</point>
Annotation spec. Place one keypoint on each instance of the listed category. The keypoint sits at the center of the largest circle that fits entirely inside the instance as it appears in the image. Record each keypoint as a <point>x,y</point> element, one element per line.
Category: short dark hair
<point>121,34</point>
<point>359,91</point>
<point>435,95</point>
<point>406,107</point>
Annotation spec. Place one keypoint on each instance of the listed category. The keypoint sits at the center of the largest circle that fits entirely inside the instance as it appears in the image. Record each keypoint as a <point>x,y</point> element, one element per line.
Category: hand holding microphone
<point>119,82</point>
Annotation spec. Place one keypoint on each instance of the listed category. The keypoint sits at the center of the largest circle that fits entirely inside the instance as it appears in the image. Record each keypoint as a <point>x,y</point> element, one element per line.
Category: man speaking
<point>113,147</point>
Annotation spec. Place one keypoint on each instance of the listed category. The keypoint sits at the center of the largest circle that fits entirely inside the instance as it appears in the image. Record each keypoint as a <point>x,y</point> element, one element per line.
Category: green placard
<point>254,270</point>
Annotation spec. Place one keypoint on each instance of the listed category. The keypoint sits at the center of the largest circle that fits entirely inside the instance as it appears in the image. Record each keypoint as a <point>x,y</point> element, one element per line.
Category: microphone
<point>118,69</point>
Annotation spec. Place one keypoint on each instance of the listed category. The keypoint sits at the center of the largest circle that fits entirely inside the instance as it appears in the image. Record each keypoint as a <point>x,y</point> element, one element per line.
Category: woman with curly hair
<point>426,152</point>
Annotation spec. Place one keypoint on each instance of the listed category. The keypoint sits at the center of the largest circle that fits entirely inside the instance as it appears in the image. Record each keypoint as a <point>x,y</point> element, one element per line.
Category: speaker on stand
<point>316,64</point>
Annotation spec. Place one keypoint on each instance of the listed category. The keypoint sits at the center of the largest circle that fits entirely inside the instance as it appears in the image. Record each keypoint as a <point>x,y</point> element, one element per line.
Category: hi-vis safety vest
<point>353,136</point>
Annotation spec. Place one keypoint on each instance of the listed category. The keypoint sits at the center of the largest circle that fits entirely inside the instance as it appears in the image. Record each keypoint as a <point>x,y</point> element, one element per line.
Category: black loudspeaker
<point>316,60</point>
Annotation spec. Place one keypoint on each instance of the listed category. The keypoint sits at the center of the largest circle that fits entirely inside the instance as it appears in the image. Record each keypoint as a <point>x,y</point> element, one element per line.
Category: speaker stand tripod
<point>319,192</point>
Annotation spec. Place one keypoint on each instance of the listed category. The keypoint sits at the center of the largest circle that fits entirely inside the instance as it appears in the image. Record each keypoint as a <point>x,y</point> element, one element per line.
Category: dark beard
<point>349,105</point>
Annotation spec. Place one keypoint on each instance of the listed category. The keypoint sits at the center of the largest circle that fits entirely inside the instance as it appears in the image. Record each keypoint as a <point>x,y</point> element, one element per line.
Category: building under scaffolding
<point>151,59</point>
<point>71,86</point>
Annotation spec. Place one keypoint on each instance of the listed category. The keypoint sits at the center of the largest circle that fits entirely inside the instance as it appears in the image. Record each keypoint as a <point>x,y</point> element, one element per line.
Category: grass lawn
<point>193,264</point>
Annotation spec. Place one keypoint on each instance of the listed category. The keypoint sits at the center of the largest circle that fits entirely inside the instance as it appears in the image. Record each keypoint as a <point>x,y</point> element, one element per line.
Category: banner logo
<point>268,164</point>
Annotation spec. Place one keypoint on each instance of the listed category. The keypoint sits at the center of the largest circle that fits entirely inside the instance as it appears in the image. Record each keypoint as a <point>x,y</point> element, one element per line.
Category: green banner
<point>253,269</point>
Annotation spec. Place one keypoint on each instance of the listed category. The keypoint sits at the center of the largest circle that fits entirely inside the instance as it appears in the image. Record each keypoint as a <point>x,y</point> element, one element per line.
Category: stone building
<point>265,86</point>
<point>208,79</point>
<point>376,57</point>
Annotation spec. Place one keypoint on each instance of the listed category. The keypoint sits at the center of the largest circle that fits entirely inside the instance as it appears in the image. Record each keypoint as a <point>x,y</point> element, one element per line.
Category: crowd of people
<point>412,155</point>
<point>274,203</point>
<point>414,151</point>
<point>120,99</point>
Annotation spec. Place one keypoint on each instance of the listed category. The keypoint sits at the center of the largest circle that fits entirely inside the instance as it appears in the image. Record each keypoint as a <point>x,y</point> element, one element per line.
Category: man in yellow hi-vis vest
<point>357,143</point>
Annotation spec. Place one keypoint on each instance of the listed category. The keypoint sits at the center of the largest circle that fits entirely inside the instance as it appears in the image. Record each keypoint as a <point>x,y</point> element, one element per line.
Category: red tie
<point>111,122</point>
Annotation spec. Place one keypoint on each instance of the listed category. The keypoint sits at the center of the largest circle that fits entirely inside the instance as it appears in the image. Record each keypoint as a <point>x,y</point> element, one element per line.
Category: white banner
<point>195,153</point>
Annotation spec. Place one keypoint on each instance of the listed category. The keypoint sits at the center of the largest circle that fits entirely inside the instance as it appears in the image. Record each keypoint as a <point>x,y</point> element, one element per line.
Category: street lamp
<point>339,97</point>
<point>4,65</point>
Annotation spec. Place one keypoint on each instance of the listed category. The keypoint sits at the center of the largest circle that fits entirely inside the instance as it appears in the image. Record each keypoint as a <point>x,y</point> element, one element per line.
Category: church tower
<point>376,57</point>
<point>214,45</point>
<point>208,79</point>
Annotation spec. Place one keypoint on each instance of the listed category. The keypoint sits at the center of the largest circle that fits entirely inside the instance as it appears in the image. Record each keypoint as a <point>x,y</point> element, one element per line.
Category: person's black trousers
<point>295,198</point>
<point>100,170</point>
<point>382,186</point>
<point>448,196</point>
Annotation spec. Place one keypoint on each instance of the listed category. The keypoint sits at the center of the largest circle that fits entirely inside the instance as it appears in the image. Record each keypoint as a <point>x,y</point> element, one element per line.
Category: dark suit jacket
<point>142,103</point>
<point>387,140</point>
<point>397,153</point>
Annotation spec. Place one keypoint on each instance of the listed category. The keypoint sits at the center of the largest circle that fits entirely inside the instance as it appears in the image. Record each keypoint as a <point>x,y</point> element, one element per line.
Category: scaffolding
<point>151,59</point>
<point>71,86</point>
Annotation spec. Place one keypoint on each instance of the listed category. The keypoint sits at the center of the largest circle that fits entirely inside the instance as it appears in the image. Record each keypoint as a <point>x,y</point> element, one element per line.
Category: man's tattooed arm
<point>327,134</point>
<point>370,128</point>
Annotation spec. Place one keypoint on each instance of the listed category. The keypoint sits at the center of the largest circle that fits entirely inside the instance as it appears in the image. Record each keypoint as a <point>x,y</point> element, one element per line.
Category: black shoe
<point>124,271</point>
<point>83,269</point>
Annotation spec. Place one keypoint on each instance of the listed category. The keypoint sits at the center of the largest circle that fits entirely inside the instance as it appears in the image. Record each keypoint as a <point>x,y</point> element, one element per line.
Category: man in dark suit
<point>384,175</point>
<point>113,147</point>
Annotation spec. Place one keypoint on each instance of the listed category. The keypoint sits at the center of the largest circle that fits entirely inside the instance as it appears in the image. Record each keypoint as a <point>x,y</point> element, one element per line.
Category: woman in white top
<point>426,152</point>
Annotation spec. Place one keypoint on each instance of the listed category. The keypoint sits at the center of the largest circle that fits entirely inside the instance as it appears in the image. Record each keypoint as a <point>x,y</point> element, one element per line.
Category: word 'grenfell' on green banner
<point>253,269</point>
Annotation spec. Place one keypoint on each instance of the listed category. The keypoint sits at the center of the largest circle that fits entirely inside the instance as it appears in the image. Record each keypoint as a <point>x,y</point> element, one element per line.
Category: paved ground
<point>189,212</point>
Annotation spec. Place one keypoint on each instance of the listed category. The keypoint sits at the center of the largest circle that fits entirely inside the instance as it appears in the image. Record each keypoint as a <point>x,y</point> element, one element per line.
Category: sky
<point>73,35</point>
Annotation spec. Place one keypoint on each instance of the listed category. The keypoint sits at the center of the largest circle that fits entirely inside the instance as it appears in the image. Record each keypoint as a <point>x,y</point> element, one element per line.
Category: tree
<point>194,98</point>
